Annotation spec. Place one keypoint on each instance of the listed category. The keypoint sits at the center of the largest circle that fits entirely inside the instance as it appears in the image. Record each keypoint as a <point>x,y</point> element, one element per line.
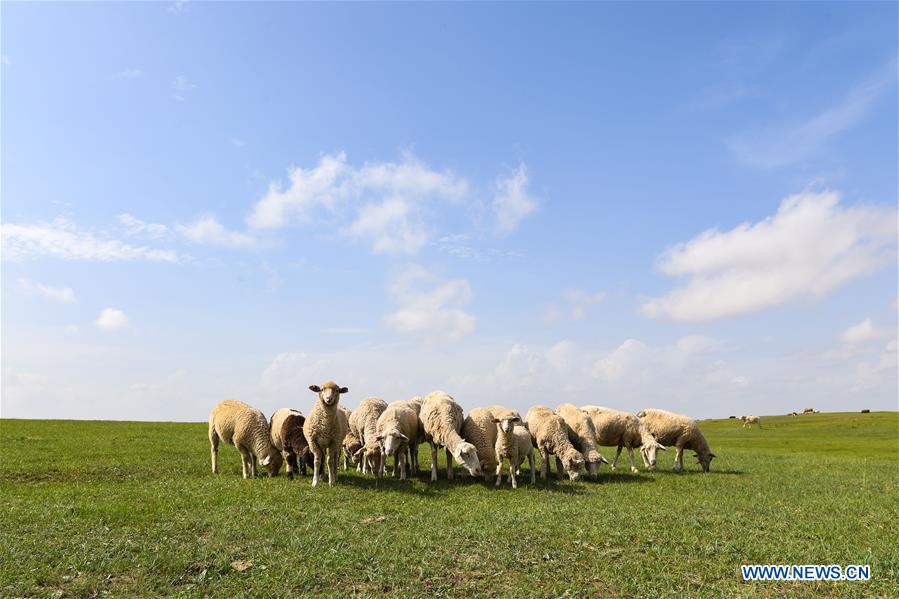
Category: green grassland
<point>131,509</point>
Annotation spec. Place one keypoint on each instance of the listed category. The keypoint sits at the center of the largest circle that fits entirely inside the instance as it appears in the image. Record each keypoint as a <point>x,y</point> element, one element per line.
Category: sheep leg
<point>332,465</point>
<point>544,463</point>
<point>433,461</point>
<point>511,475</point>
<point>630,456</point>
<point>615,461</point>
<point>253,465</point>
<point>403,464</point>
<point>678,459</point>
<point>531,464</point>
<point>214,450</point>
<point>245,461</point>
<point>291,465</point>
<point>559,469</point>
<point>449,465</point>
<point>499,472</point>
<point>317,462</point>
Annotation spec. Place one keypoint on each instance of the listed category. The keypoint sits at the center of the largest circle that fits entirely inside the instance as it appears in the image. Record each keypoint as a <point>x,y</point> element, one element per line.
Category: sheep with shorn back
<point>680,431</point>
<point>513,442</point>
<point>325,429</point>
<point>623,429</point>
<point>550,435</point>
<point>582,435</point>
<point>245,427</point>
<point>442,419</point>
<point>364,425</point>
<point>480,430</point>
<point>286,429</point>
<point>396,431</point>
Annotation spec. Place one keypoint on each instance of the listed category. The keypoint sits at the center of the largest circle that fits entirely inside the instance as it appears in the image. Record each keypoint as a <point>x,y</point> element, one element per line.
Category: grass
<point>131,509</point>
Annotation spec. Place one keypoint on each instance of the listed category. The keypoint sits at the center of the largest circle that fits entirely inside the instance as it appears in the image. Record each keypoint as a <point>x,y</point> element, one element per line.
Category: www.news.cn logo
<point>806,572</point>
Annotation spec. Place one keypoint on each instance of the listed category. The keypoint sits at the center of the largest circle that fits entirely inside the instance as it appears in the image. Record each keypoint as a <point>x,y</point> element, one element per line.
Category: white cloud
<point>391,227</point>
<point>62,239</point>
<point>177,7</point>
<point>429,306</point>
<point>741,381</point>
<point>137,227</point>
<point>787,143</point>
<point>512,203</point>
<point>64,295</point>
<point>809,248</point>
<point>579,301</point>
<point>129,73</point>
<point>111,319</point>
<point>698,344</point>
<point>181,87</point>
<point>5,59</point>
<point>208,231</point>
<point>862,332</point>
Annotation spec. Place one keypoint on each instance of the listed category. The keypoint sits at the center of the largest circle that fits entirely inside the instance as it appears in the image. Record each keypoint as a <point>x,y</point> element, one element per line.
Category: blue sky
<point>689,206</point>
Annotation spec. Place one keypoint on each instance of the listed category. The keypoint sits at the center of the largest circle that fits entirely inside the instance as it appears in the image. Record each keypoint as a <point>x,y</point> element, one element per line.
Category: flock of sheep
<point>481,442</point>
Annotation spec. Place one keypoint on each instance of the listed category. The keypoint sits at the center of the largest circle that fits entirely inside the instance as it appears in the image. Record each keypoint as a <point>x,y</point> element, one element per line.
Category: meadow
<point>93,508</point>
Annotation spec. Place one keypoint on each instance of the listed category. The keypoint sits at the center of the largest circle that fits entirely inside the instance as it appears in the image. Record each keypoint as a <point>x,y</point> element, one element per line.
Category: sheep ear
<point>496,421</point>
<point>661,447</point>
<point>516,419</point>
<point>343,390</point>
<point>712,455</point>
<point>603,460</point>
<point>358,452</point>
<point>315,388</point>
<point>379,438</point>
<point>266,461</point>
<point>405,438</point>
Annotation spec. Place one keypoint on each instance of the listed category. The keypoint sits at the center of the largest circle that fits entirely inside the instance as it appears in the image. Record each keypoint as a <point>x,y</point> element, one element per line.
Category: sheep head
<point>704,459</point>
<point>573,462</point>
<point>506,422</point>
<point>391,442</point>
<point>272,462</point>
<point>351,446</point>
<point>467,455</point>
<point>594,459</point>
<point>649,450</point>
<point>329,392</point>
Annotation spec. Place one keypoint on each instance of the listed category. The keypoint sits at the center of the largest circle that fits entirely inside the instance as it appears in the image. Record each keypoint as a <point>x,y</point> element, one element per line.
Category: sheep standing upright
<point>750,420</point>
<point>325,429</point>
<point>363,425</point>
<point>286,428</point>
<point>442,419</point>
<point>395,431</point>
<point>513,442</point>
<point>479,429</point>
<point>550,435</point>
<point>415,404</point>
<point>582,435</point>
<point>681,431</point>
<point>623,429</point>
<point>245,427</point>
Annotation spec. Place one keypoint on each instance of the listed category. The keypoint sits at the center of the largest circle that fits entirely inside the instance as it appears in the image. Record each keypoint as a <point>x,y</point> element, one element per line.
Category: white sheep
<point>479,429</point>
<point>415,404</point>
<point>442,420</point>
<point>550,435</point>
<point>395,432</point>
<point>750,420</point>
<point>624,430</point>
<point>245,427</point>
<point>325,429</point>
<point>513,441</point>
<point>364,424</point>
<point>681,431</point>
<point>286,429</point>
<point>582,435</point>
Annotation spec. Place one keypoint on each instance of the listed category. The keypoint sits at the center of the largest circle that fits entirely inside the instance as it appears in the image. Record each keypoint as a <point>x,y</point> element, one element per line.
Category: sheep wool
<point>550,435</point>
<point>363,425</point>
<point>245,427</point>
<point>513,442</point>
<point>624,430</point>
<point>582,435</point>
<point>397,432</point>
<point>442,420</point>
<point>681,431</point>
<point>286,428</point>
<point>325,429</point>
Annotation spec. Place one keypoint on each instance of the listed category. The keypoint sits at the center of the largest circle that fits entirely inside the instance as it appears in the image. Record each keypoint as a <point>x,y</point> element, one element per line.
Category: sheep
<point>750,420</point>
<point>866,411</point>
<point>325,429</point>
<point>678,430</point>
<point>623,429</point>
<point>479,429</point>
<point>363,424</point>
<point>415,404</point>
<point>395,431</point>
<point>550,435</point>
<point>442,420</point>
<point>351,446</point>
<point>513,441</point>
<point>808,411</point>
<point>793,414</point>
<point>582,435</point>
<point>246,428</point>
<point>286,429</point>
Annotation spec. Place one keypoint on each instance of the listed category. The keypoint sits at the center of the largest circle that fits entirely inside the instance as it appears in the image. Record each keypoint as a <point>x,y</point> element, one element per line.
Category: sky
<point>681,206</point>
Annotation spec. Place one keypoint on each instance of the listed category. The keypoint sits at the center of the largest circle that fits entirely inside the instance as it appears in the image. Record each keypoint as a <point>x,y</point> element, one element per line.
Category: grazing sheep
<point>550,436</point>
<point>246,428</point>
<point>364,424</point>
<point>582,435</point>
<point>395,431</point>
<point>513,441</point>
<point>415,404</point>
<point>866,411</point>
<point>351,446</point>
<point>286,428</point>
<point>793,414</point>
<point>479,429</point>
<point>808,411</point>
<point>750,420</point>
<point>442,420</point>
<point>325,429</point>
<point>678,430</point>
<point>623,429</point>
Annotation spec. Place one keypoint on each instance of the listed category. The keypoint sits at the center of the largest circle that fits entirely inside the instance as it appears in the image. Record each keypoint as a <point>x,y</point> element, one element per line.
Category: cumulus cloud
<point>207,230</point>
<point>429,306</point>
<point>392,227</point>
<point>512,202</point>
<point>111,319</point>
<point>811,246</point>
<point>579,301</point>
<point>863,332</point>
<point>64,294</point>
<point>63,239</point>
